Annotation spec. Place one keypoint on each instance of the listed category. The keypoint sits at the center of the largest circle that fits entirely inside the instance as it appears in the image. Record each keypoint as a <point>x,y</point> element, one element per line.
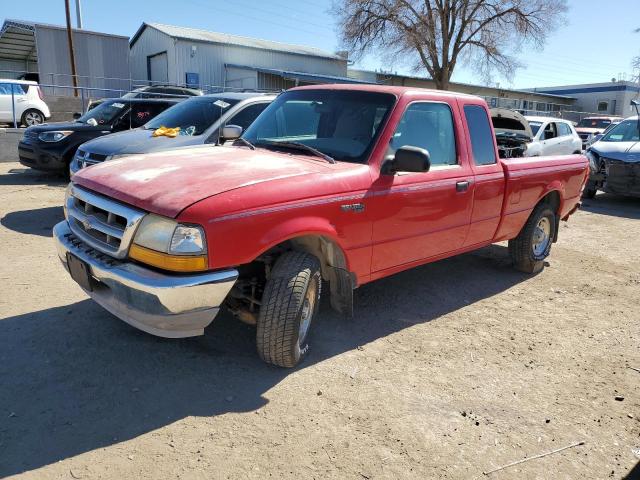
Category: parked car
<point>589,126</point>
<point>52,146</point>
<point>200,120</point>
<point>346,184</point>
<point>512,131</point>
<point>518,135</point>
<point>155,91</point>
<point>553,136</point>
<point>30,108</point>
<point>615,161</point>
<point>593,138</point>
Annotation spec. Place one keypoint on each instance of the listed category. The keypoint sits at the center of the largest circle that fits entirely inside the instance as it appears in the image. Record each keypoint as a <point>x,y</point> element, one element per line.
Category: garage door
<point>158,67</point>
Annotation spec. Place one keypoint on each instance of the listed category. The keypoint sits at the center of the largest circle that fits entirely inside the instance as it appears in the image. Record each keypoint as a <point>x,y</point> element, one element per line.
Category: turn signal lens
<point>174,263</point>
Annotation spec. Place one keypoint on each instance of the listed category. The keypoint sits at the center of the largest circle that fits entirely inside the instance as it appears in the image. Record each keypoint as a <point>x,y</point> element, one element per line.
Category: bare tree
<point>437,34</point>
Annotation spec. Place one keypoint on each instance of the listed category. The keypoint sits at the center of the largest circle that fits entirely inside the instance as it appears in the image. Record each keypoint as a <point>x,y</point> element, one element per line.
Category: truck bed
<point>530,178</point>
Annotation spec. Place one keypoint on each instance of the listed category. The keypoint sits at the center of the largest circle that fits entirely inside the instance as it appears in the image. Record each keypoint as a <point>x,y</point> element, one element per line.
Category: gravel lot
<point>447,371</point>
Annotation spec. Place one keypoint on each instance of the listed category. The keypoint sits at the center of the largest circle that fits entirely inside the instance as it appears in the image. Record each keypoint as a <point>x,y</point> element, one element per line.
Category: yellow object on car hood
<point>166,132</point>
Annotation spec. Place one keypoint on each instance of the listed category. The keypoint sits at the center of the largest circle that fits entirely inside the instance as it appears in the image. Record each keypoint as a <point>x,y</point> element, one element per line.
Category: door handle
<point>462,186</point>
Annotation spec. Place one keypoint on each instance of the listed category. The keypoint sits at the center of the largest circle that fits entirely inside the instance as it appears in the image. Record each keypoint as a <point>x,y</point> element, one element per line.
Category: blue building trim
<point>612,88</point>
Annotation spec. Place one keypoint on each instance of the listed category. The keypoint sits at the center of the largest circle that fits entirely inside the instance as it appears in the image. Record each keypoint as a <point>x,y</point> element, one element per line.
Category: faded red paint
<point>248,201</point>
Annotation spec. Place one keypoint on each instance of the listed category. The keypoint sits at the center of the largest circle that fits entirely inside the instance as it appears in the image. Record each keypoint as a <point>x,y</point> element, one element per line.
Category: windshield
<point>626,131</point>
<point>594,123</point>
<point>192,116</point>
<point>535,126</point>
<point>105,113</point>
<point>341,124</point>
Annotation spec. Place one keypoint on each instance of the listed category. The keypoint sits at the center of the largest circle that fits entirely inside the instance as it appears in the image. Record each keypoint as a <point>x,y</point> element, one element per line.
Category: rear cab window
<point>482,140</point>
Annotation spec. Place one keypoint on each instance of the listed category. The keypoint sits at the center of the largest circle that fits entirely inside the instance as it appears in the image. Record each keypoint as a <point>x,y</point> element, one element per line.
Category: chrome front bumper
<point>166,305</point>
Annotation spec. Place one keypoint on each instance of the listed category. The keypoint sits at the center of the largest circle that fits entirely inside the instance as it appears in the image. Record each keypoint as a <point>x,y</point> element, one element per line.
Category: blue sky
<point>596,45</point>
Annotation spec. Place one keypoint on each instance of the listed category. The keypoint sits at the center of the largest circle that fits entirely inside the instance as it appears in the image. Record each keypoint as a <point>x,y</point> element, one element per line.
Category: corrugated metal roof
<point>300,75</point>
<point>225,38</point>
<point>26,25</point>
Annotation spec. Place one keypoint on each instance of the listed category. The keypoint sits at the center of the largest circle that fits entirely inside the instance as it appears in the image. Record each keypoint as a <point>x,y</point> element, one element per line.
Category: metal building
<point>102,60</point>
<point>611,98</point>
<point>215,61</point>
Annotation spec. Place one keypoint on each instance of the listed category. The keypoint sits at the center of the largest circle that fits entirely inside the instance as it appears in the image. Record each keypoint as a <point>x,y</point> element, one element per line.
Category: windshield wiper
<point>302,146</point>
<point>245,142</point>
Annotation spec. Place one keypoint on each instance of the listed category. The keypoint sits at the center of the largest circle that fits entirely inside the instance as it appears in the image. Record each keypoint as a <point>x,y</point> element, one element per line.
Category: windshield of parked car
<point>105,113</point>
<point>594,123</point>
<point>627,131</point>
<point>535,126</point>
<point>341,124</point>
<point>192,116</point>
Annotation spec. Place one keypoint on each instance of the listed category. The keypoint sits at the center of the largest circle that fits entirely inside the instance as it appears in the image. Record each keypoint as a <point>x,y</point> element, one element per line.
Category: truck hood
<point>138,140</point>
<point>623,151</point>
<point>168,182</point>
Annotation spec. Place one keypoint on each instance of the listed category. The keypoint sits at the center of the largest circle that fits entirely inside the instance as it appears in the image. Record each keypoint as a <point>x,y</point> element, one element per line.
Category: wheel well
<point>247,293</point>
<point>553,200</point>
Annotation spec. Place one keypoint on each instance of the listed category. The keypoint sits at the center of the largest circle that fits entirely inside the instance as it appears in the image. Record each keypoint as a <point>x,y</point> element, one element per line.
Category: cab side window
<point>482,140</point>
<point>429,126</point>
<point>246,116</point>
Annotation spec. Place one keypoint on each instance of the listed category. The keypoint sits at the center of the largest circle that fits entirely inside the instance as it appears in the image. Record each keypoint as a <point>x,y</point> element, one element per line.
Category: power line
<point>261,20</point>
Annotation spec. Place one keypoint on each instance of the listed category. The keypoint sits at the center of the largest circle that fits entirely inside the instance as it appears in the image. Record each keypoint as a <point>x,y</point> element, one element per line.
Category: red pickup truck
<point>345,184</point>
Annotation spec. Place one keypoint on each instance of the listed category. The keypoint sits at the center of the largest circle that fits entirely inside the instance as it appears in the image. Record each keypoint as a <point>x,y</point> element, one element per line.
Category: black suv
<point>155,91</point>
<point>52,146</point>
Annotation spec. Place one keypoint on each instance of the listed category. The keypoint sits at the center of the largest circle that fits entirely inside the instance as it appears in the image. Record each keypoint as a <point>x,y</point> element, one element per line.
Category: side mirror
<point>76,115</point>
<point>230,132</point>
<point>408,159</point>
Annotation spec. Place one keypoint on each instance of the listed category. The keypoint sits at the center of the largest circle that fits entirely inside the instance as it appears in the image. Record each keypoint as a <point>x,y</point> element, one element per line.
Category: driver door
<point>417,216</point>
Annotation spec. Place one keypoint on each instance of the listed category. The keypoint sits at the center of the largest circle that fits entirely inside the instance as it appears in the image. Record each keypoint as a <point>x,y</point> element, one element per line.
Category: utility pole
<point>72,56</point>
<point>78,15</point>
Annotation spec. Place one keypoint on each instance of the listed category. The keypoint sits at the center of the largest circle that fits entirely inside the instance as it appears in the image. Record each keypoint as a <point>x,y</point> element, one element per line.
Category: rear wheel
<point>533,244</point>
<point>289,305</point>
<point>32,117</point>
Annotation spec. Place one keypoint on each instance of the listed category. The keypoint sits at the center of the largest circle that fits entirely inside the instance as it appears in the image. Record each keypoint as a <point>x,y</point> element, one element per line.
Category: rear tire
<point>289,305</point>
<point>32,117</point>
<point>533,244</point>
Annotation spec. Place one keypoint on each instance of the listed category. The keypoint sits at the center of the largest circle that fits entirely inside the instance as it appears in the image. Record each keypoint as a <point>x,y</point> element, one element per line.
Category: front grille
<point>102,223</point>
<point>584,136</point>
<point>96,157</point>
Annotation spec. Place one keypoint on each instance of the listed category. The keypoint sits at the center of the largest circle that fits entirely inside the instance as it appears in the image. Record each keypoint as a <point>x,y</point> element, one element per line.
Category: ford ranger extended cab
<point>345,184</point>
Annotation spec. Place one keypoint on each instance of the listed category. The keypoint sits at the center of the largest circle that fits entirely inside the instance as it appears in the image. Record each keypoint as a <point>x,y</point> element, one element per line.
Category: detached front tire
<point>590,190</point>
<point>533,244</point>
<point>289,305</point>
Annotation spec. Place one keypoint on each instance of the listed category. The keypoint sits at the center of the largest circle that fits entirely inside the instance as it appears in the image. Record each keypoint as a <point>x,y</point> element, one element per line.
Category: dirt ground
<point>447,371</point>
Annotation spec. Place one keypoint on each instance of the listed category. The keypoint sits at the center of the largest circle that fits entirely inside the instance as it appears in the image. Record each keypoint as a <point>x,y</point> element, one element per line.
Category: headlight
<point>167,244</point>
<point>51,137</point>
<point>593,161</point>
<point>67,195</point>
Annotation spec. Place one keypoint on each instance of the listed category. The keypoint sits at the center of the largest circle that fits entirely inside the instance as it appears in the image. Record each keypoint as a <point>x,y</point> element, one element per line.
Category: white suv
<point>28,99</point>
<point>552,136</point>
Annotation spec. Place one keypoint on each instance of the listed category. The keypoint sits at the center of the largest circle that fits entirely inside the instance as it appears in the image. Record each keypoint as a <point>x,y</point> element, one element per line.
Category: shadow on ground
<point>614,205</point>
<point>28,176</point>
<point>75,379</point>
<point>39,221</point>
